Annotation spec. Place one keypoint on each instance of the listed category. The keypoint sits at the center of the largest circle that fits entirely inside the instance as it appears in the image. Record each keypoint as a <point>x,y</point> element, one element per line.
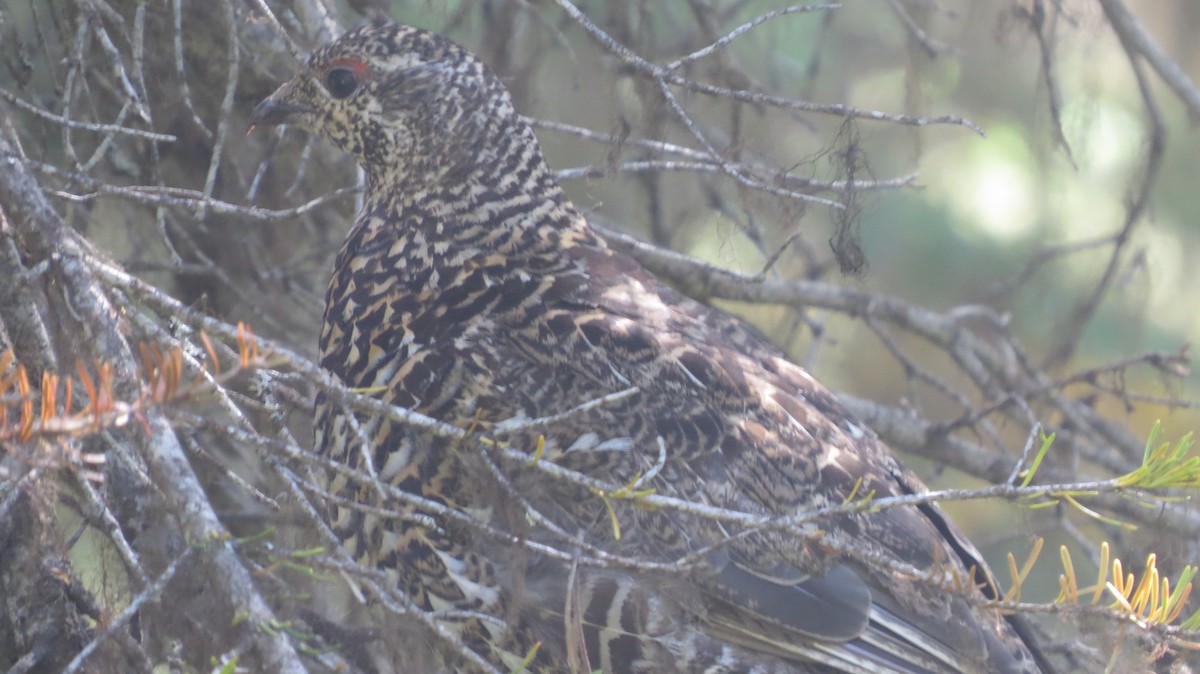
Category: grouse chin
<point>471,290</point>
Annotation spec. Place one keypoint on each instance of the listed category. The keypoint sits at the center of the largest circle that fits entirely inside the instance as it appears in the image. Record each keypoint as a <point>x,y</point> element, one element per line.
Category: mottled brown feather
<point>471,290</point>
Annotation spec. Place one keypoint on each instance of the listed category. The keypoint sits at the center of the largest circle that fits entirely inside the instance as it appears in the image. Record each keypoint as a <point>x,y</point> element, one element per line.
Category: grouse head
<point>411,106</point>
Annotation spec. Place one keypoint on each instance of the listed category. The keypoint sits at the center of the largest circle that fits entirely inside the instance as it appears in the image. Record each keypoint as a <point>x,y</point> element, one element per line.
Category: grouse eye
<point>341,82</point>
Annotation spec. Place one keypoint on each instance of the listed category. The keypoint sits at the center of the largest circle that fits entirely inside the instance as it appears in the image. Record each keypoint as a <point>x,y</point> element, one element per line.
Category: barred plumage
<point>471,290</point>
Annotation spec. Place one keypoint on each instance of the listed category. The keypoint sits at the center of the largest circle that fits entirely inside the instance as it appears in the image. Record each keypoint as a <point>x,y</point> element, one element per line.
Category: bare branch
<point>1137,40</point>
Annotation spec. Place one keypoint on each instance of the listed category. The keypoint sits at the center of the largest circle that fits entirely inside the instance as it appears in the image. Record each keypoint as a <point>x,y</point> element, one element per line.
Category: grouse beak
<point>273,111</point>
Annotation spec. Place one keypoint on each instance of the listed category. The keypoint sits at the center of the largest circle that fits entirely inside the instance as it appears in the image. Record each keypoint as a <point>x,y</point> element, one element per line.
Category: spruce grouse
<point>471,290</point>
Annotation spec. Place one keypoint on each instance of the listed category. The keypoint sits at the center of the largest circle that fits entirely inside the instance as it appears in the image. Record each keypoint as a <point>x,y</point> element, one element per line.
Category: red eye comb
<point>353,65</point>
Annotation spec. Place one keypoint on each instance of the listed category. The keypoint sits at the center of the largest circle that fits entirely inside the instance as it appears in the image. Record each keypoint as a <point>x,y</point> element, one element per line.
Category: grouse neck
<point>516,215</point>
<point>481,159</point>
